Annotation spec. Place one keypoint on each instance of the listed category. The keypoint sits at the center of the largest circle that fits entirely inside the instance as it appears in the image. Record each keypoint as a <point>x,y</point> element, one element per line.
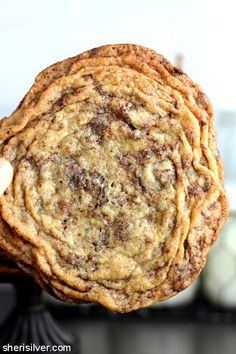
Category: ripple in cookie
<point>118,190</point>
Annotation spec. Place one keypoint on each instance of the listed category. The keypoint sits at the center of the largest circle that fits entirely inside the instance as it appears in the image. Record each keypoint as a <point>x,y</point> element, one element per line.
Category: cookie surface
<point>118,191</point>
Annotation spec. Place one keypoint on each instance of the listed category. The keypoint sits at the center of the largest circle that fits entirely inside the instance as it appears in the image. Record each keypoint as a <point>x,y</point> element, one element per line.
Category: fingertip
<point>6,174</point>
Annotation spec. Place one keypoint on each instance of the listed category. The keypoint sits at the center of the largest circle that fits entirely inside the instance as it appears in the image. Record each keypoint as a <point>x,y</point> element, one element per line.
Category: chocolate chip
<point>88,77</point>
<point>93,52</point>
<point>79,179</point>
<point>120,229</point>
<point>194,190</point>
<point>177,71</point>
<point>123,113</point>
<point>201,100</point>
<point>100,129</point>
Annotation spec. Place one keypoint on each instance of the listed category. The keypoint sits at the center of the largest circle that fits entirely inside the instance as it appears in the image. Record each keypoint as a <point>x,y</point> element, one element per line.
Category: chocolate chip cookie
<point>118,192</point>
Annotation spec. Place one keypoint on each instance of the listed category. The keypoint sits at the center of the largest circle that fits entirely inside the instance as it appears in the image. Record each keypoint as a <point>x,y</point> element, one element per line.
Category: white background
<point>36,33</point>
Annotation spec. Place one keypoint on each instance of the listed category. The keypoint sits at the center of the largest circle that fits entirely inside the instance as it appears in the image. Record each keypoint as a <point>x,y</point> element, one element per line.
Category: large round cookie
<point>118,191</point>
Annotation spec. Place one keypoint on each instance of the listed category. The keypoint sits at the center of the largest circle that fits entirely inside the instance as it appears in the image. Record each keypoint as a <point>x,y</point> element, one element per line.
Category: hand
<point>6,174</point>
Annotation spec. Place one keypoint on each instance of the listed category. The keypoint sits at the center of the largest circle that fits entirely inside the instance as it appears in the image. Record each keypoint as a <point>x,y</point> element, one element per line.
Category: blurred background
<point>198,36</point>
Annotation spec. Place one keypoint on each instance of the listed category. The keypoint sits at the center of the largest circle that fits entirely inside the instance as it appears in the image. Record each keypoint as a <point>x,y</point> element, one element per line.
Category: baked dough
<point>118,191</point>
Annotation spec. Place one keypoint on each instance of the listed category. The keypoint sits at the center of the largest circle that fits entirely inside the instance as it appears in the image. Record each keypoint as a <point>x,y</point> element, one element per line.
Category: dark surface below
<point>101,332</point>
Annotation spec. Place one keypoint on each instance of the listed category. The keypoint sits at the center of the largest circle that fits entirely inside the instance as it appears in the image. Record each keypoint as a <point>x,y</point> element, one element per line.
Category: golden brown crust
<point>118,190</point>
